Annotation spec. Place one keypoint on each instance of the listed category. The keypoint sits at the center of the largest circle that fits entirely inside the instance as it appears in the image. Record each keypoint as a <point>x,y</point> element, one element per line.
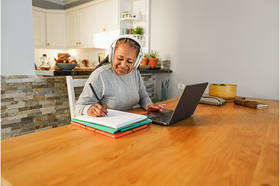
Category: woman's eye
<point>120,59</point>
<point>129,61</point>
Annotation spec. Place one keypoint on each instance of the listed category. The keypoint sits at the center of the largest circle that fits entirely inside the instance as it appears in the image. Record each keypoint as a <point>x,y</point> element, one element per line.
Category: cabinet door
<point>56,30</point>
<point>39,28</point>
<point>106,16</point>
<point>86,26</point>
<point>72,28</point>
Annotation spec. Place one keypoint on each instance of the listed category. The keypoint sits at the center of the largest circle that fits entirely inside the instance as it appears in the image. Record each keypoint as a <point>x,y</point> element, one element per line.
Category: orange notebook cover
<point>109,134</point>
<point>78,124</point>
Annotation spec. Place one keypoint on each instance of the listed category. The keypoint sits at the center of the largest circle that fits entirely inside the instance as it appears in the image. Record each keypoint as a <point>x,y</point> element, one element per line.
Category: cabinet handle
<point>104,29</point>
<point>48,43</point>
<point>79,42</point>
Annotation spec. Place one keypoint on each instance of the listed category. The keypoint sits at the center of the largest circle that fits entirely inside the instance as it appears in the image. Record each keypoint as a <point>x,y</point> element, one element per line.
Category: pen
<point>96,96</point>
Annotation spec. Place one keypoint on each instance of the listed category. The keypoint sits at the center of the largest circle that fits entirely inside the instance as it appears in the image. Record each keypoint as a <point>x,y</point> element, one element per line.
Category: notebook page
<point>114,118</point>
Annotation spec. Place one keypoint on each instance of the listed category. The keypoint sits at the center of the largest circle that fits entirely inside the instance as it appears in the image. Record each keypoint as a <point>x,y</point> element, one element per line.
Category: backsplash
<point>90,53</point>
<point>32,103</point>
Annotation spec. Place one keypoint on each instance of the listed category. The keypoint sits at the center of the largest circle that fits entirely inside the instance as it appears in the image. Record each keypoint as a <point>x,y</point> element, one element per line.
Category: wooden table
<point>218,145</point>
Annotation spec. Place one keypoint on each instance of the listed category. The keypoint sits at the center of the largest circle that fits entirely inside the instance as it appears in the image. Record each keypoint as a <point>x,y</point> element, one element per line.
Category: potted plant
<point>144,60</point>
<point>139,30</point>
<point>153,60</point>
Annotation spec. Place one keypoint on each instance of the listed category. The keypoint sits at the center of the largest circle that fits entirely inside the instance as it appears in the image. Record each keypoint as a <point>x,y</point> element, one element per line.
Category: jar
<point>45,65</point>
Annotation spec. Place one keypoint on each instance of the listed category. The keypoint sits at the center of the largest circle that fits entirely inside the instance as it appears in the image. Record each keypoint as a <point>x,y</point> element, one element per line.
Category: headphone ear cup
<point>138,60</point>
<point>110,54</point>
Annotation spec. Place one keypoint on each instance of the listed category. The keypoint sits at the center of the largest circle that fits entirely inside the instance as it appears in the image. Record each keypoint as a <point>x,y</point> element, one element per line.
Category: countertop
<point>85,72</point>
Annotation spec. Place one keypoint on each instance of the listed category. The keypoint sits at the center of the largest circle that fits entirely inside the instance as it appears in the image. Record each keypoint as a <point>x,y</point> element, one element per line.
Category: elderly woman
<point>118,84</point>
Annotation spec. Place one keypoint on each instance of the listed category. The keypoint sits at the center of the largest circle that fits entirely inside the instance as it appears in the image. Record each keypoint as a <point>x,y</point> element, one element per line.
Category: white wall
<point>217,41</point>
<point>17,38</point>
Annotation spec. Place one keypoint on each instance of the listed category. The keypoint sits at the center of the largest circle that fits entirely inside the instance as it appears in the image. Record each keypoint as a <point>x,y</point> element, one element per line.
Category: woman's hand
<point>155,107</point>
<point>97,110</point>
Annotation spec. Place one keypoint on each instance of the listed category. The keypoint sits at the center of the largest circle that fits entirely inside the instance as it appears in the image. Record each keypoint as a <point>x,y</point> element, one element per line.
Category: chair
<point>71,83</point>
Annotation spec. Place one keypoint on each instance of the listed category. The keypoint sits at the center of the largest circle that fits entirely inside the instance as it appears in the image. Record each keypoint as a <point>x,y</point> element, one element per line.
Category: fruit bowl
<point>66,66</point>
<point>225,91</point>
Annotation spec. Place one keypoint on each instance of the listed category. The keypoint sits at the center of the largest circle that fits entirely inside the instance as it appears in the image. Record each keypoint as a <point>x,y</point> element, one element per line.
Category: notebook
<point>113,130</point>
<point>109,134</point>
<point>185,107</point>
<point>114,119</point>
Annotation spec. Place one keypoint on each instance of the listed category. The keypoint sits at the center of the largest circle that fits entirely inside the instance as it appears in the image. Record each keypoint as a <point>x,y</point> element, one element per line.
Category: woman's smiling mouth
<point>121,70</point>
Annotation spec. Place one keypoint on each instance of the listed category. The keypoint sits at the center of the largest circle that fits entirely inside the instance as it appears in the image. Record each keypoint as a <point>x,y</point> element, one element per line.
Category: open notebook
<point>114,119</point>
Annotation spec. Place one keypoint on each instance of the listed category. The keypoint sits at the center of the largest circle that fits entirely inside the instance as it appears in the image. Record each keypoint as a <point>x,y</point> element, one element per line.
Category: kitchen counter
<point>85,72</point>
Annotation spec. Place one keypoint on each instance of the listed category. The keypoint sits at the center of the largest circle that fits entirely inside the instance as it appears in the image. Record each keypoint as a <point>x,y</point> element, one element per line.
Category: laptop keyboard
<point>164,118</point>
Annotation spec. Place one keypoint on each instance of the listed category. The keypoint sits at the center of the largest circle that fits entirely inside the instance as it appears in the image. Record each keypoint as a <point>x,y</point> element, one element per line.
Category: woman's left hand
<point>155,107</point>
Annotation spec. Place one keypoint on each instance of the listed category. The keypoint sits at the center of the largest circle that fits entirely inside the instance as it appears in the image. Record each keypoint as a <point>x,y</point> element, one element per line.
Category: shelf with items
<point>133,1</point>
<point>132,17</point>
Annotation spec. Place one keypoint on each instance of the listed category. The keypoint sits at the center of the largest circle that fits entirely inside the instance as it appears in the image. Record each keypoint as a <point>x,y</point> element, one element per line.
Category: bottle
<point>45,63</point>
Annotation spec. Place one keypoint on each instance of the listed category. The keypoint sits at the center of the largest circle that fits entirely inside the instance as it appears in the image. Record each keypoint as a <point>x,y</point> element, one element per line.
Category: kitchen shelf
<point>155,71</point>
<point>132,1</point>
<point>132,20</point>
<point>62,73</point>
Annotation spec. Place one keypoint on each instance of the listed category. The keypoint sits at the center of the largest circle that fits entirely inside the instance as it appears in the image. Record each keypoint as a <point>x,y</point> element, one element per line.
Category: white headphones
<point>112,50</point>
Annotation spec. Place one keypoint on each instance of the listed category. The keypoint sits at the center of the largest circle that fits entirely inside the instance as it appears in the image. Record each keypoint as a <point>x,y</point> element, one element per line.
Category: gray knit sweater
<point>115,91</point>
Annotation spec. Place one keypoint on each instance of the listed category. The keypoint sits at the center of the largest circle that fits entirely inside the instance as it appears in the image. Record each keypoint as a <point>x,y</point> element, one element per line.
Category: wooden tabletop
<point>218,145</point>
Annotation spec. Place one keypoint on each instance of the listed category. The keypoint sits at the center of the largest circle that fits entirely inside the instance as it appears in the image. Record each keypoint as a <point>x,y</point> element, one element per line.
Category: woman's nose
<point>123,64</point>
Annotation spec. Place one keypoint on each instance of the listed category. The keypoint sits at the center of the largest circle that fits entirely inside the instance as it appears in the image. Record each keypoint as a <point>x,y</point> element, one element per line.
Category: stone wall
<point>32,103</point>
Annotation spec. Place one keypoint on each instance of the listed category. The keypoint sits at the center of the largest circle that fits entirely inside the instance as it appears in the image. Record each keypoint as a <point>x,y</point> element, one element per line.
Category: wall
<point>31,104</point>
<point>17,38</point>
<point>219,42</point>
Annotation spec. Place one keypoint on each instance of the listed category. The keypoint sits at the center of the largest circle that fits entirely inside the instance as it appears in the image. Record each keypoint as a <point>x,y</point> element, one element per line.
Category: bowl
<point>226,92</point>
<point>66,66</point>
<point>144,67</point>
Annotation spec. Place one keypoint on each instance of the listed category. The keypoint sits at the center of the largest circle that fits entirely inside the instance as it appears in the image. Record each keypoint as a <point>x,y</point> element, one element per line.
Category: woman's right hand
<point>97,110</point>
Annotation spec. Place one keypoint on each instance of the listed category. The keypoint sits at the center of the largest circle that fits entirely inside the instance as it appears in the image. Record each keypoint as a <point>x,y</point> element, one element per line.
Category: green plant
<point>154,54</point>
<point>146,55</point>
<point>139,30</point>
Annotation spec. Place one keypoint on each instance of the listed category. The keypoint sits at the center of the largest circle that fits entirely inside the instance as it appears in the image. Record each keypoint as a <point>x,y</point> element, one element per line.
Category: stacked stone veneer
<point>32,103</point>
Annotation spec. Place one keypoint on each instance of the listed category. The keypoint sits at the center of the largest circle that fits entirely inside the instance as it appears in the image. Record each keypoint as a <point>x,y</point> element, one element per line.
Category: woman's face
<point>124,59</point>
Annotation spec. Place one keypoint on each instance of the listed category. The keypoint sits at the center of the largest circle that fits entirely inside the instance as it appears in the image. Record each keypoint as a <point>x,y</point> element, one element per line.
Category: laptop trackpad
<point>152,114</point>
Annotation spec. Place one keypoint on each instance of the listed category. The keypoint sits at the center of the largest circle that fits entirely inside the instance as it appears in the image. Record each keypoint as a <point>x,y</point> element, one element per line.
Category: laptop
<point>185,107</point>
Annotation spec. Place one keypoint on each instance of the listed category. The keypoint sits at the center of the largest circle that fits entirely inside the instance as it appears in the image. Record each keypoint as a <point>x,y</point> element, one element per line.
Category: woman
<point>117,84</point>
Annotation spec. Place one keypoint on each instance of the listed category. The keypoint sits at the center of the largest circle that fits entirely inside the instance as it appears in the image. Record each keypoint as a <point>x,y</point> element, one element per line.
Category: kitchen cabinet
<point>106,16</point>
<point>39,28</point>
<point>79,27</point>
<point>86,25</point>
<point>72,28</point>
<point>55,24</point>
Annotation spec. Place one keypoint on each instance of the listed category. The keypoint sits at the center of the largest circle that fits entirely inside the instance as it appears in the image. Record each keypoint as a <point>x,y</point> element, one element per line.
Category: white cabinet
<point>72,28</point>
<point>39,29</point>
<point>79,27</point>
<point>106,16</point>
<point>86,26</point>
<point>56,37</point>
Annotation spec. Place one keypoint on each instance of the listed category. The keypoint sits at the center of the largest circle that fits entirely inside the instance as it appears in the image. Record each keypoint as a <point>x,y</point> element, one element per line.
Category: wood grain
<point>218,145</point>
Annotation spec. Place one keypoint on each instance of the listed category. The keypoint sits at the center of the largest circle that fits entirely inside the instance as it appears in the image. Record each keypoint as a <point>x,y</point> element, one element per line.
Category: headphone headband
<point>113,45</point>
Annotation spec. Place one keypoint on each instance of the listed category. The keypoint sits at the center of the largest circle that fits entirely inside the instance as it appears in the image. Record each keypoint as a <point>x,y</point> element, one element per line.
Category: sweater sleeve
<point>87,98</point>
<point>144,97</point>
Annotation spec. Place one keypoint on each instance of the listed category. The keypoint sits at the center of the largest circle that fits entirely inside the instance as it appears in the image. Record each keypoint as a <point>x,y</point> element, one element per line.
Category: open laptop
<point>185,107</point>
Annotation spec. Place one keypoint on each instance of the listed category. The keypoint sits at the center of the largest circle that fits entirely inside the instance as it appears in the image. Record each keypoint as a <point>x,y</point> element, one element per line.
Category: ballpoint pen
<point>96,96</point>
